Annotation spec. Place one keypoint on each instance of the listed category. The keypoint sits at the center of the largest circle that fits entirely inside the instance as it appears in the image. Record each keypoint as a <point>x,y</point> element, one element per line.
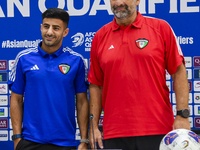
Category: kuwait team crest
<point>64,68</point>
<point>141,43</point>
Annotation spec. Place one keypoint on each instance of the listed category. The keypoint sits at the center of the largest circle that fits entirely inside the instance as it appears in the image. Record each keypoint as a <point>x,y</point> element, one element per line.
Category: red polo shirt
<point>130,62</point>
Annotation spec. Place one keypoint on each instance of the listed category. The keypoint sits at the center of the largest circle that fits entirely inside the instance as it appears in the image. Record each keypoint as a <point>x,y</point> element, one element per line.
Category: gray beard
<point>121,15</point>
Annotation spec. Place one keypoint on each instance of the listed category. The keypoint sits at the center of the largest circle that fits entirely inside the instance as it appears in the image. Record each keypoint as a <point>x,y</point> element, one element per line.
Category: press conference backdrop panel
<point>20,29</point>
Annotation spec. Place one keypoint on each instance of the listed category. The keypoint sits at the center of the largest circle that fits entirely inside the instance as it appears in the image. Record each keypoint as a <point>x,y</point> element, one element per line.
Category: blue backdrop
<point>20,29</point>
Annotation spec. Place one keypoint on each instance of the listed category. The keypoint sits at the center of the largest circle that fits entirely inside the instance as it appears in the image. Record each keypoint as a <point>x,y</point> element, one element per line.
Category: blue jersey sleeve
<point>16,78</point>
<point>81,83</point>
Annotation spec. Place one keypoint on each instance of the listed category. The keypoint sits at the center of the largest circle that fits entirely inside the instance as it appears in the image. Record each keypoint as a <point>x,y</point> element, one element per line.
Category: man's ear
<point>137,2</point>
<point>66,31</point>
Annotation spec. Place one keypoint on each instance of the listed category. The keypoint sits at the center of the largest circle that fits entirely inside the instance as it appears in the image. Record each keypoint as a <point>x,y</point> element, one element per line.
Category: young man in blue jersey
<point>49,78</point>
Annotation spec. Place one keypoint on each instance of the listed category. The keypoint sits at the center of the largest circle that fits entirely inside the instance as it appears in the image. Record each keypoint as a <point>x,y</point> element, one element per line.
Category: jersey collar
<point>137,23</point>
<point>44,54</point>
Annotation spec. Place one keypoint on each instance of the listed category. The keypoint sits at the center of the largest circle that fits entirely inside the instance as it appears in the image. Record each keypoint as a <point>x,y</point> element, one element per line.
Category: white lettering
<point>90,33</point>
<point>185,8</point>
<point>87,49</point>
<point>20,44</point>
<point>88,39</point>
<point>24,9</point>
<point>185,40</point>
<point>88,44</point>
<point>173,6</point>
<point>142,7</point>
<point>1,12</point>
<point>74,12</point>
<point>2,122</point>
<point>152,6</point>
<point>96,6</point>
<point>42,7</point>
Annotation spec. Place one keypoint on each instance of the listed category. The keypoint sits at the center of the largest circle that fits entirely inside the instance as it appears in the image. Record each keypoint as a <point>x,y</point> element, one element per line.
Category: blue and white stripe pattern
<point>20,54</point>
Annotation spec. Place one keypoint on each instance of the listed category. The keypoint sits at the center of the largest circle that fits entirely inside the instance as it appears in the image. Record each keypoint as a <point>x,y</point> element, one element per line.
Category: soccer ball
<point>180,139</point>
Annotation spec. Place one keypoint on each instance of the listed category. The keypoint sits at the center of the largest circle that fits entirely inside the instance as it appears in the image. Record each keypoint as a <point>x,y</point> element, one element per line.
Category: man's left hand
<point>181,123</point>
<point>83,146</point>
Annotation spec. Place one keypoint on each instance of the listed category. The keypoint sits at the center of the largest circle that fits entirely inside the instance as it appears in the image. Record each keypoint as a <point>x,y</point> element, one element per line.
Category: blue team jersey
<point>49,83</point>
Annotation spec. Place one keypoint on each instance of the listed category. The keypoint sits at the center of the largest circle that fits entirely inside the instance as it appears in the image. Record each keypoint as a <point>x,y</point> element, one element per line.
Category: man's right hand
<point>16,141</point>
<point>98,139</point>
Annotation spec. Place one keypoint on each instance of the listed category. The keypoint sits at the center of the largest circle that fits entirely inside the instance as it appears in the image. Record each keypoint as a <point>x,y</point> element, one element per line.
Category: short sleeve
<point>16,78</point>
<point>174,56</point>
<point>96,75</point>
<point>81,84</point>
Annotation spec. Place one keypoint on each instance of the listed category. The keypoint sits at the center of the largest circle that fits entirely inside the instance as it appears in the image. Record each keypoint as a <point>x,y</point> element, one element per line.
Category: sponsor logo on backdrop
<point>190,85</point>
<point>3,88</point>
<point>3,65</point>
<point>188,61</point>
<point>191,121</point>
<point>190,98</point>
<point>3,77</point>
<point>196,61</point>
<point>10,122</point>
<point>3,123</point>
<point>3,100</point>
<point>101,122</point>
<point>3,111</point>
<point>11,64</point>
<point>79,39</point>
<point>189,73</point>
<point>168,83</point>
<point>197,110</point>
<point>11,133</point>
<point>3,135</point>
<point>196,85</point>
<point>168,76</point>
<point>197,122</point>
<point>196,97</point>
<point>196,73</point>
<point>20,44</point>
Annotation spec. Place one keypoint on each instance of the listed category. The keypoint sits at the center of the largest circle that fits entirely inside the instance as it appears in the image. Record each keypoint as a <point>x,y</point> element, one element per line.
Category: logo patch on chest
<point>64,68</point>
<point>141,43</point>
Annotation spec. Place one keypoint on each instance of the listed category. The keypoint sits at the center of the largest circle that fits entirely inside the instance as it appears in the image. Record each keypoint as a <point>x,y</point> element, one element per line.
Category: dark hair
<point>56,13</point>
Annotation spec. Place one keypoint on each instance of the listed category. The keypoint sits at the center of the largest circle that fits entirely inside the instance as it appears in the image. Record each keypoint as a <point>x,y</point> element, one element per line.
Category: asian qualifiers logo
<point>78,39</point>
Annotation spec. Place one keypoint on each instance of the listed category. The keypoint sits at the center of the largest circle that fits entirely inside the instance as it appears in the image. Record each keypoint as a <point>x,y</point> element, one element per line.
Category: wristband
<point>16,136</point>
<point>84,141</point>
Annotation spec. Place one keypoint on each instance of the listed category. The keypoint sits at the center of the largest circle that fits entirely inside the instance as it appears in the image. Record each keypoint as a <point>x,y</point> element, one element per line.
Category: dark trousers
<point>29,145</point>
<point>134,143</point>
